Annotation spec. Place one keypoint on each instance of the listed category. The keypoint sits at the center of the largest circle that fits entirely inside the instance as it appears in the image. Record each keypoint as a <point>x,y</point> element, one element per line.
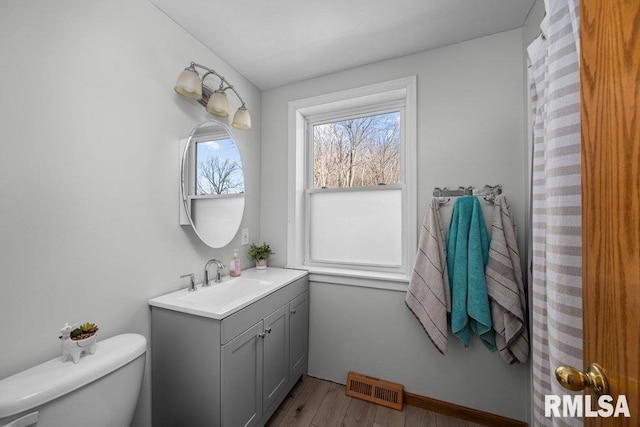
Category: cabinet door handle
<point>293,311</point>
<point>261,334</point>
<point>268,330</point>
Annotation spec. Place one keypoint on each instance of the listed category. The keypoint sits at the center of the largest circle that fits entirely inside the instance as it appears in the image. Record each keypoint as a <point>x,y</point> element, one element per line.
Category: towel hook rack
<point>488,192</point>
<point>439,193</point>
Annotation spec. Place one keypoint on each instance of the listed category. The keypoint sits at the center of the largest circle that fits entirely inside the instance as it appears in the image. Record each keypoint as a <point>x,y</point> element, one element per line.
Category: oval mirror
<point>212,184</point>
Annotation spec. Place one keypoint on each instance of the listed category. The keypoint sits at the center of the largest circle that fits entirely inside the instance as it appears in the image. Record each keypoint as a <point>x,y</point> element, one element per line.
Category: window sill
<point>362,278</point>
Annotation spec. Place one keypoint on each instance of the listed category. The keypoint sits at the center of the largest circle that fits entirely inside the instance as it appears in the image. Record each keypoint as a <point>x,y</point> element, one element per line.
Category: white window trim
<point>298,112</point>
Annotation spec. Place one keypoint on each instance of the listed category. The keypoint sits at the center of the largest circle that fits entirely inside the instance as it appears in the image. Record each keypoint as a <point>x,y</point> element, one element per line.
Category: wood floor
<point>318,403</point>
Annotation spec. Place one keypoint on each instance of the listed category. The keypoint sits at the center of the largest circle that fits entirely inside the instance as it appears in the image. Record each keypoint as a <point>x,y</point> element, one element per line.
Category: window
<point>352,198</point>
<point>218,167</point>
<point>358,152</point>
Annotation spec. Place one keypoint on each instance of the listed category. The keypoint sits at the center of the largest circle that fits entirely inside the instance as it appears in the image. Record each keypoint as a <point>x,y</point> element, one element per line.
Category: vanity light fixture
<point>191,85</point>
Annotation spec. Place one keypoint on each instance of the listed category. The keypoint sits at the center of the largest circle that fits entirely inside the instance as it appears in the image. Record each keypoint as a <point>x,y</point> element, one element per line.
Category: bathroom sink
<point>220,300</point>
<point>219,295</point>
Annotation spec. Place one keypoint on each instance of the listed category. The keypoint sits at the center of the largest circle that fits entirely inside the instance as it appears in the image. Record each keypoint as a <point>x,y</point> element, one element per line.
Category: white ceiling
<point>277,42</point>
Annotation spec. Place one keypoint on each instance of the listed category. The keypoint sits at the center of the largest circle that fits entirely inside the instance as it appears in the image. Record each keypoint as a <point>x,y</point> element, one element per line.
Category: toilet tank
<point>101,390</point>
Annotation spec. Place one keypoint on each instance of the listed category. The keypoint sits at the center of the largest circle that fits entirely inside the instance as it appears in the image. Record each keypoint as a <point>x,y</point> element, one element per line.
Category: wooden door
<point>610,86</point>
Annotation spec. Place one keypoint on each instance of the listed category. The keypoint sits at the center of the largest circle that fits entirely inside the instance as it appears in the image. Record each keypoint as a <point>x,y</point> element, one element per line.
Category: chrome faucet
<point>219,267</point>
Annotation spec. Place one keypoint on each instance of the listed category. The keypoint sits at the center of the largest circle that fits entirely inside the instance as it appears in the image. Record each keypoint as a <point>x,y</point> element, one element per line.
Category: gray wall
<point>89,125</point>
<point>470,132</point>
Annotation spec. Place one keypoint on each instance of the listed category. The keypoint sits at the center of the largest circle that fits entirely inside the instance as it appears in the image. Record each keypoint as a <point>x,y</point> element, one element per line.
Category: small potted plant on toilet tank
<point>76,340</point>
<point>260,254</point>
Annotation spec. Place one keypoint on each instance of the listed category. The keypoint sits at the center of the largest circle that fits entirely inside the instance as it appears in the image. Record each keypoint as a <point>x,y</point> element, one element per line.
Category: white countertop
<point>234,293</point>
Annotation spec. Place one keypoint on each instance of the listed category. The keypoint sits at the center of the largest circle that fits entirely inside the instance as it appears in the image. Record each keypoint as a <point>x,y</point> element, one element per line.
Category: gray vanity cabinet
<point>255,369</point>
<point>276,355</point>
<point>298,334</point>
<point>233,371</point>
<point>241,374</point>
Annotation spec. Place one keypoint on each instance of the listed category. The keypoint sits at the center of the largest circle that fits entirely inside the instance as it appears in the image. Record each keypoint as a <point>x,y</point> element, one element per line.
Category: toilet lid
<point>50,380</point>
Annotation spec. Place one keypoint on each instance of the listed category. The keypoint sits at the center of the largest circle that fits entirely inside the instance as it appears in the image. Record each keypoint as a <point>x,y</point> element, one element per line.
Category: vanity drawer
<point>237,323</point>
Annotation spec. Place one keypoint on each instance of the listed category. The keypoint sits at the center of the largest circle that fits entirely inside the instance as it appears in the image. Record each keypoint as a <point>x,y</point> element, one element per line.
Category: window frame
<point>396,95</point>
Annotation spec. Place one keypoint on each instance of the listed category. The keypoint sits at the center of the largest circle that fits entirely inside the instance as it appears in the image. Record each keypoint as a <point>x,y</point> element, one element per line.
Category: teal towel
<point>467,255</point>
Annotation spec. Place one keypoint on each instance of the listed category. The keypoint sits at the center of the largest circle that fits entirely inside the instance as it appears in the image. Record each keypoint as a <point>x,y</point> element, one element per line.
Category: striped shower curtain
<point>556,276</point>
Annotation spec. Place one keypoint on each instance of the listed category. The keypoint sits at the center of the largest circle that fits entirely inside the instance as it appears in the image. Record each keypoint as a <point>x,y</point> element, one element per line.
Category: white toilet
<point>101,390</point>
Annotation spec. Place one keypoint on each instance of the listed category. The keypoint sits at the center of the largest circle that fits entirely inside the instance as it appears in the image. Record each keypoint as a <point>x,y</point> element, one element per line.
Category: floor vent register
<point>373,390</point>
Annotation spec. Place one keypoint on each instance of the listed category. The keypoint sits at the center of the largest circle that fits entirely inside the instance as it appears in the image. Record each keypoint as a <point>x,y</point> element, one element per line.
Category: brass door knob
<point>575,380</point>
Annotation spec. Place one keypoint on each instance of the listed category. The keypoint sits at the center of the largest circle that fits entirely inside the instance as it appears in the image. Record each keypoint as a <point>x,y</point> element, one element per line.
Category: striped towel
<point>505,287</point>
<point>428,294</point>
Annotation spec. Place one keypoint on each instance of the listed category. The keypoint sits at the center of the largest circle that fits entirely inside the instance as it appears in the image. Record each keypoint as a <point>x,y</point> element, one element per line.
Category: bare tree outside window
<point>219,168</point>
<point>359,152</point>
<point>219,176</point>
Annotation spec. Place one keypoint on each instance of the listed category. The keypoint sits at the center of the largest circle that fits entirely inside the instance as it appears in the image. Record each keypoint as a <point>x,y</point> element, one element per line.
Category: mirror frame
<point>183,190</point>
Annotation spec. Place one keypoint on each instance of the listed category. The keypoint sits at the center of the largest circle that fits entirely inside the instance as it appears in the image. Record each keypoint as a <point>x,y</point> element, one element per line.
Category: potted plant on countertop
<point>260,254</point>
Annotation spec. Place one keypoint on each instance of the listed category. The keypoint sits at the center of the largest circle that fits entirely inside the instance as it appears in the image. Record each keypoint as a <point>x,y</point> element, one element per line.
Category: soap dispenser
<point>234,266</point>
